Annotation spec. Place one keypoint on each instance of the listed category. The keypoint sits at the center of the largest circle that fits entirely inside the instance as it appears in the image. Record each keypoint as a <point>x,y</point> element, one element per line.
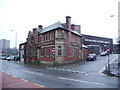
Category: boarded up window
<point>65,51</point>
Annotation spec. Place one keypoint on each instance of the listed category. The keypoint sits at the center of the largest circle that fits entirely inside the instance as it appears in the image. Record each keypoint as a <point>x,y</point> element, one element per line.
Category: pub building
<point>59,43</point>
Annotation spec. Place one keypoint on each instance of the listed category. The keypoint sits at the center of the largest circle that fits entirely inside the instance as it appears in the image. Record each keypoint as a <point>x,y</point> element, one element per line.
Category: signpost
<point>108,51</point>
<point>54,51</point>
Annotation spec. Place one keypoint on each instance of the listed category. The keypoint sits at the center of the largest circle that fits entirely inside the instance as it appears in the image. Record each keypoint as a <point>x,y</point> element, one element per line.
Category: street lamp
<point>15,38</point>
<point>118,29</point>
<point>15,41</point>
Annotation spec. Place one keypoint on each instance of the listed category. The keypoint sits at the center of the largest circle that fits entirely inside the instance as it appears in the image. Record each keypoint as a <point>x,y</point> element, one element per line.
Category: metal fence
<point>113,68</point>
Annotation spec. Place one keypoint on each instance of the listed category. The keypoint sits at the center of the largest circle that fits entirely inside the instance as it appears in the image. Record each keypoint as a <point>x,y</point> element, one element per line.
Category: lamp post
<point>15,41</point>
<point>118,16</point>
<point>15,38</point>
<point>108,52</point>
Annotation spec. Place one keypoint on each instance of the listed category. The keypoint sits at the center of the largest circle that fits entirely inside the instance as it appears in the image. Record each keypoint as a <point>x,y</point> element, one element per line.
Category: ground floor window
<point>75,52</point>
<point>65,52</point>
<point>59,50</point>
<point>51,54</point>
<point>45,51</point>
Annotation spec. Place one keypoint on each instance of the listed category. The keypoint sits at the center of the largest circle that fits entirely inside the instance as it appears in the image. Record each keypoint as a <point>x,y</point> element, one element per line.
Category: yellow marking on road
<point>39,85</point>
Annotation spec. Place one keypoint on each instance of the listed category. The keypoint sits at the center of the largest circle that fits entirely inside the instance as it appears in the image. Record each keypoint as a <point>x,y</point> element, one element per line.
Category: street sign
<point>108,50</point>
<point>53,50</point>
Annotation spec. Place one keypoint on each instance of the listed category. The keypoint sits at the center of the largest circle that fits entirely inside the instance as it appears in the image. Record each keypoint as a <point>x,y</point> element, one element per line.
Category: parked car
<point>91,57</point>
<point>10,58</point>
<point>104,53</point>
<point>4,57</point>
<point>17,58</point>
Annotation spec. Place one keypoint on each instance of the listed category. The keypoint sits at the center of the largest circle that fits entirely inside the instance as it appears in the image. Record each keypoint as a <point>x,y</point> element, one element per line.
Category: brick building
<point>22,52</point>
<point>64,38</point>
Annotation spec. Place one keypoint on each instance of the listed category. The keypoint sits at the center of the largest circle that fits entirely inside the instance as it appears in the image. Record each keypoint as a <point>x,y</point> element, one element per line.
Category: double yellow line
<point>33,83</point>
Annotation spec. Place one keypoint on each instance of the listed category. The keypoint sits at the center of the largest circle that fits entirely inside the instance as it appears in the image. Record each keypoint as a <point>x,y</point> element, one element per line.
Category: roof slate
<point>55,26</point>
<point>51,27</point>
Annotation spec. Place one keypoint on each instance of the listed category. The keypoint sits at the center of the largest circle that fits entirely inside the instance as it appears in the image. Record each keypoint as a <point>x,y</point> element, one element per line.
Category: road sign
<point>53,50</point>
<point>108,50</point>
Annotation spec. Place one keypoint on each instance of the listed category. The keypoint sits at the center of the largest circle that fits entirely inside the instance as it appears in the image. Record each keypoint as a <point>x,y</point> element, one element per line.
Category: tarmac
<point>10,81</point>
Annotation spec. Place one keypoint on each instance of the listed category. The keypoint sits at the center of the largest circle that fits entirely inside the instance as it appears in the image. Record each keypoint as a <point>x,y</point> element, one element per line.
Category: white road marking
<point>89,82</point>
<point>31,72</point>
<point>11,67</point>
<point>74,71</point>
<point>9,73</point>
<point>68,70</point>
<point>59,69</point>
<point>27,71</point>
<point>14,76</point>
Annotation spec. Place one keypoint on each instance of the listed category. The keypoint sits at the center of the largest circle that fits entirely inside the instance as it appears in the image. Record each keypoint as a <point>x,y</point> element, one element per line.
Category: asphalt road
<point>86,74</point>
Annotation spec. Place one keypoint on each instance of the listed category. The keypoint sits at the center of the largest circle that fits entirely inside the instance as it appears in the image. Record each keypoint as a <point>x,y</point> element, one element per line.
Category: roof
<point>84,46</point>
<point>56,26</point>
<point>51,27</point>
<point>84,35</point>
<point>76,32</point>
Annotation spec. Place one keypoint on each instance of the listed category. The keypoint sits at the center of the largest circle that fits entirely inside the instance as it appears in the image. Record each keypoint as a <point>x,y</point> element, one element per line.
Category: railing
<point>112,68</point>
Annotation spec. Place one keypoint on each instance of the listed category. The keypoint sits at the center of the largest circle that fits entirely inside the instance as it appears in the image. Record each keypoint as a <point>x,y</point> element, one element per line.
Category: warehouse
<point>97,44</point>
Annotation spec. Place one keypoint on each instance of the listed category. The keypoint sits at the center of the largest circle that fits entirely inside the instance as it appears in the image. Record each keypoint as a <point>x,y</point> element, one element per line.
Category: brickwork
<point>63,37</point>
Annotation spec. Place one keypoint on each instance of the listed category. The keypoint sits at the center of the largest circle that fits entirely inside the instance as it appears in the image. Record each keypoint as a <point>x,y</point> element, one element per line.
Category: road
<point>86,74</point>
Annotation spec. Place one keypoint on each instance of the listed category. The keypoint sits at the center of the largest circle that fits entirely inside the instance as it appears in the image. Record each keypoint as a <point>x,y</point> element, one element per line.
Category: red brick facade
<point>65,38</point>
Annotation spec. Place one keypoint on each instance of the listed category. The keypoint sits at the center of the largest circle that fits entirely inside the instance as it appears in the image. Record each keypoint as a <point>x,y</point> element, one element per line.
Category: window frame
<point>59,51</point>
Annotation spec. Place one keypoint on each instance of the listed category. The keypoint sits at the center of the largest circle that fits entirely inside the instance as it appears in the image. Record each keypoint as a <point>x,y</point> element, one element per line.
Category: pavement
<point>10,81</point>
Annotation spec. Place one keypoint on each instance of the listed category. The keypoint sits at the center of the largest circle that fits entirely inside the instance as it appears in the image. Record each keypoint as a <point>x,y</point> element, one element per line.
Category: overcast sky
<point>24,15</point>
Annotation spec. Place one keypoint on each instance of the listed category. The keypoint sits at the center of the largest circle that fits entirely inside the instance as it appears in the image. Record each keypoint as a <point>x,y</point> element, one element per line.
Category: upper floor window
<point>45,37</point>
<point>50,36</point>
<point>59,33</point>
<point>66,35</point>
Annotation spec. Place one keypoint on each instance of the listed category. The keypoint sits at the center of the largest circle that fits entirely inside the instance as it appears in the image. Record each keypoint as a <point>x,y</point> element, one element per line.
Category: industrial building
<point>97,44</point>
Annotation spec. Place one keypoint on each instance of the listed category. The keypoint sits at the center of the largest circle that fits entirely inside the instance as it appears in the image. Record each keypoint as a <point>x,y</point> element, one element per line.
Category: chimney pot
<point>34,28</point>
<point>40,26</point>
<point>68,17</point>
<point>73,26</point>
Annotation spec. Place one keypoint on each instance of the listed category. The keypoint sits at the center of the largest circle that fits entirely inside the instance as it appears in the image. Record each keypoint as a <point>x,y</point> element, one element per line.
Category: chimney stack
<point>68,22</point>
<point>40,26</point>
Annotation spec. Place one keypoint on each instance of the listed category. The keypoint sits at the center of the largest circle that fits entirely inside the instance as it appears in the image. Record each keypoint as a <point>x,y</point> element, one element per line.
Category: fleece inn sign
<point>97,41</point>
